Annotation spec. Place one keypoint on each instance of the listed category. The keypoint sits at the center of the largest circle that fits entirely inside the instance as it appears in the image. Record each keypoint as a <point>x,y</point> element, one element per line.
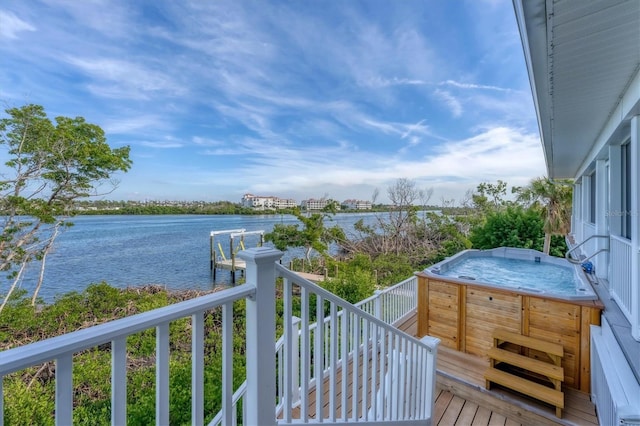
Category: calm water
<point>138,250</point>
<point>515,273</point>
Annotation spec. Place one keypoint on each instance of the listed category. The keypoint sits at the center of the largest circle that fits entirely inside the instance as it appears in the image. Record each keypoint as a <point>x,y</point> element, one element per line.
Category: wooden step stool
<point>551,371</point>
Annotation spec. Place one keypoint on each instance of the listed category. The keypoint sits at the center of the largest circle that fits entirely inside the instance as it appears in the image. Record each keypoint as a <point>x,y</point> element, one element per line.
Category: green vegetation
<point>102,207</point>
<point>48,167</point>
<point>29,394</point>
<point>313,235</point>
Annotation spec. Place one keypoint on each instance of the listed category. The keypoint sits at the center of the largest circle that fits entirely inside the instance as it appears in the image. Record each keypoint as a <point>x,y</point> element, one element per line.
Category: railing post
<point>261,335</point>
<point>430,373</point>
<point>422,293</point>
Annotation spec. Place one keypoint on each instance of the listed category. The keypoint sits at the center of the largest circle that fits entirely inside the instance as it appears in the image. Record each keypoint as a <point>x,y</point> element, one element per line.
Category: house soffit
<point>583,58</point>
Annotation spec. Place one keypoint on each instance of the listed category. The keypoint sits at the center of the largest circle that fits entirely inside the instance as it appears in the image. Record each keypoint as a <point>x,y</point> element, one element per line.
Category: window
<point>625,214</point>
<point>592,198</point>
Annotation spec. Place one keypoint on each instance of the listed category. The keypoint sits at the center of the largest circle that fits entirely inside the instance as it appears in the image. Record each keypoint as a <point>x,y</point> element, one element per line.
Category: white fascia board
<point>540,92</point>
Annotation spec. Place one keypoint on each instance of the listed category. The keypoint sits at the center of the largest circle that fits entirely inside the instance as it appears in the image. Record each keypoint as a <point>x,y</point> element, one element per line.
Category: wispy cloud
<point>473,86</point>
<point>162,144</point>
<point>123,79</point>
<point>11,26</point>
<point>134,123</point>
<point>378,82</point>
<point>450,101</point>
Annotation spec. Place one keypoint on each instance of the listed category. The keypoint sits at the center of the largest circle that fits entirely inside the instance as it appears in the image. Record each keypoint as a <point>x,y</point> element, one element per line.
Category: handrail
<point>567,255</point>
<point>21,357</point>
<point>62,349</point>
<point>393,304</point>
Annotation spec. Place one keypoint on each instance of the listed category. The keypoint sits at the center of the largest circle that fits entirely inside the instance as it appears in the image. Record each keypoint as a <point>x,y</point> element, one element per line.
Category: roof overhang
<point>582,57</point>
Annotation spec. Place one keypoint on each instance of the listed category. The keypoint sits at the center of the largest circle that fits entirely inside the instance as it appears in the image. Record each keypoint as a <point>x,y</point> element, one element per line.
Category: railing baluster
<point>162,374</point>
<point>355,371</point>
<point>333,360</point>
<point>383,373</point>
<point>344,354</point>
<point>388,337</point>
<point>365,368</point>
<point>375,353</point>
<point>414,381</point>
<point>394,377</point>
<point>304,355</point>
<point>288,355</point>
<point>227,362</point>
<point>197,368</point>
<point>119,381</point>
<point>295,361</point>
<point>318,357</point>
<point>404,359</point>
<point>419,382</point>
<point>64,389</point>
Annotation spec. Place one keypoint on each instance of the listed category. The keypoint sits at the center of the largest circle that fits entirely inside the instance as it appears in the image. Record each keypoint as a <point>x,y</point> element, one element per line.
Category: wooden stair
<point>524,374</point>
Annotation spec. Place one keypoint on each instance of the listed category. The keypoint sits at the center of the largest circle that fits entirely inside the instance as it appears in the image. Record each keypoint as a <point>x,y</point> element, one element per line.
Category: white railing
<point>620,274</point>
<point>368,370</point>
<point>588,230</point>
<point>62,349</point>
<point>394,304</point>
<point>389,377</point>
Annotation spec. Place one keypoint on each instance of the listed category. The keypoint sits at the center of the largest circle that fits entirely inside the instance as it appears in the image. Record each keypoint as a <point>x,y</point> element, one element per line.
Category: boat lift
<point>218,258</point>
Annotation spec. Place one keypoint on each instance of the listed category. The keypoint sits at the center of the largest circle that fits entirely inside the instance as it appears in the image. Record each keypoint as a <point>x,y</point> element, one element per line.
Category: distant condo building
<point>357,205</point>
<point>313,204</point>
<point>267,203</point>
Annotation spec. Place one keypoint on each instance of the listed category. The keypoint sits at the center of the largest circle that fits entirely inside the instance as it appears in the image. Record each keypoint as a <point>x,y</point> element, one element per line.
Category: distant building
<point>313,204</point>
<point>357,205</point>
<point>267,203</point>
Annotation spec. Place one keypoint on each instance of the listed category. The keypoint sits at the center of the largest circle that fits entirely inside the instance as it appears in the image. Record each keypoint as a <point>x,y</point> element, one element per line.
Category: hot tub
<point>523,270</point>
<point>464,298</point>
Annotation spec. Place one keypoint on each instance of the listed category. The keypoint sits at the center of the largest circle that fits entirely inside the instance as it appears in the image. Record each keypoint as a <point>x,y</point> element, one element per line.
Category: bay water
<point>169,250</point>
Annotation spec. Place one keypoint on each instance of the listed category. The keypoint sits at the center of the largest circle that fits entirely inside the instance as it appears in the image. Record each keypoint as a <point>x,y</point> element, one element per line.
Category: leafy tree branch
<point>48,167</point>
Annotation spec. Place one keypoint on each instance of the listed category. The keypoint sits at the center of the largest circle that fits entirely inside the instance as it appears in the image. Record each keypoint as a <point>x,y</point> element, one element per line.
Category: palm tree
<point>553,198</point>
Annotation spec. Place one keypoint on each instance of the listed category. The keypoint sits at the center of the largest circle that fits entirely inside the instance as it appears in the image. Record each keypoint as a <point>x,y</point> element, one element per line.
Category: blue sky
<point>297,99</point>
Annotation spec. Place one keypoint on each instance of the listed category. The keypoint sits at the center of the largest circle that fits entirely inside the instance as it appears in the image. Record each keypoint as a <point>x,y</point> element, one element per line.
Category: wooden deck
<point>463,400</point>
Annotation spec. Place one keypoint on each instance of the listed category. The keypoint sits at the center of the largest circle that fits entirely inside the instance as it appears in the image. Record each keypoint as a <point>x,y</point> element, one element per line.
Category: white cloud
<point>473,86</point>
<point>11,25</point>
<point>378,82</point>
<point>162,144</point>
<point>450,101</point>
<point>133,122</point>
<point>115,78</point>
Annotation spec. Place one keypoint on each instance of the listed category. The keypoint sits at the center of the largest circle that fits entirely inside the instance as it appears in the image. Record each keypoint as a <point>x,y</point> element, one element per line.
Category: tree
<point>48,167</point>
<point>514,226</point>
<point>313,235</point>
<point>490,196</point>
<point>402,215</point>
<point>553,200</point>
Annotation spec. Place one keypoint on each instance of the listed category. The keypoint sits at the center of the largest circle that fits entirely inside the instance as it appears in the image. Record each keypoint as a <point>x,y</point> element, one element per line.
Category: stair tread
<point>529,342</point>
<point>551,371</point>
<point>527,387</point>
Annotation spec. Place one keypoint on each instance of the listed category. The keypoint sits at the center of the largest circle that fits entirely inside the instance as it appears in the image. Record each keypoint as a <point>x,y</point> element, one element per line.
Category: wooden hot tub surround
<point>464,316</point>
